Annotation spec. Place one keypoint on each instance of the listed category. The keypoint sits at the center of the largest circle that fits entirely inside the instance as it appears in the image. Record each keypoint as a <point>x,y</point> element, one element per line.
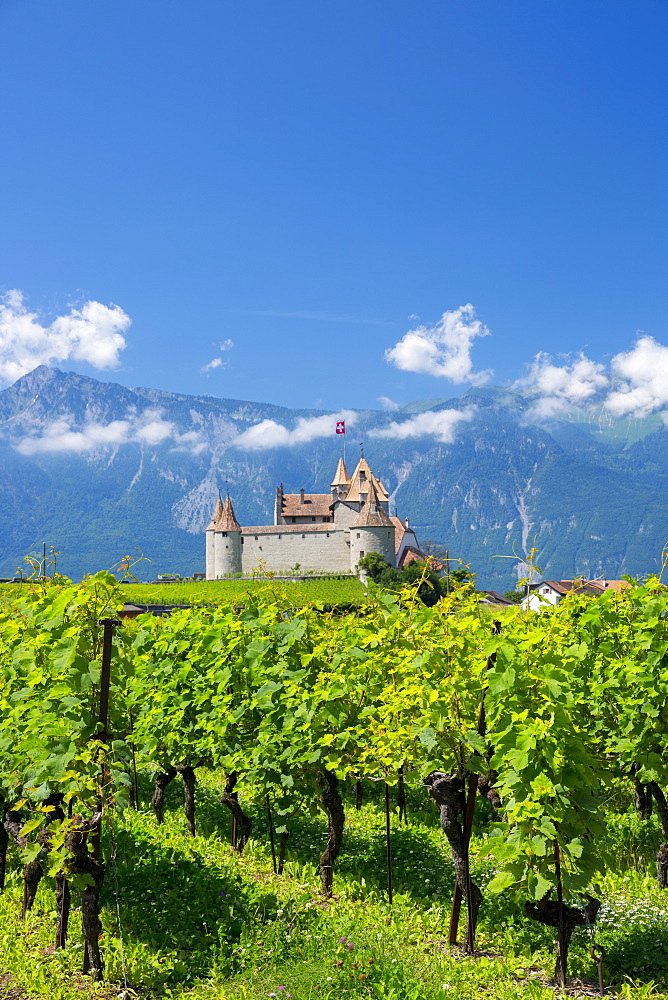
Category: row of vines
<point>542,714</point>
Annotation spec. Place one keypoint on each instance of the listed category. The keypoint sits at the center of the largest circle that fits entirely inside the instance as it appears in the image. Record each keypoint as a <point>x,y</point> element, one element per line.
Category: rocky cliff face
<point>99,471</point>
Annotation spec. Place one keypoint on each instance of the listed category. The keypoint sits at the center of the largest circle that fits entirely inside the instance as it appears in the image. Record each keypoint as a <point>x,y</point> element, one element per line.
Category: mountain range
<point>98,471</point>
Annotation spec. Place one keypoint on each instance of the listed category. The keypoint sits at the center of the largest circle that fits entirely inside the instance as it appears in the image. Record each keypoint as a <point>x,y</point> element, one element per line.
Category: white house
<point>550,592</point>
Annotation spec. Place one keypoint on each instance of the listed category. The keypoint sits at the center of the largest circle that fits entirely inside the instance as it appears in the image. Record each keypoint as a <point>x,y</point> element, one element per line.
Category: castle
<point>313,532</point>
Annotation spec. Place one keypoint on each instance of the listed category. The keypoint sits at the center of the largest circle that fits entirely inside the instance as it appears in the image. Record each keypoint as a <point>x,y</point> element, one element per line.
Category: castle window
<point>362,554</point>
<point>314,519</point>
<point>224,534</point>
<point>294,520</point>
<point>358,534</point>
<point>303,536</point>
<point>256,538</point>
<point>328,534</point>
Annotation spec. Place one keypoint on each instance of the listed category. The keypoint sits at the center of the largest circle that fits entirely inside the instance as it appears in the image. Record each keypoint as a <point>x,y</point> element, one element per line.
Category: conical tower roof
<point>359,483</point>
<point>382,492</point>
<point>341,477</point>
<point>227,521</point>
<point>372,514</point>
<point>217,511</point>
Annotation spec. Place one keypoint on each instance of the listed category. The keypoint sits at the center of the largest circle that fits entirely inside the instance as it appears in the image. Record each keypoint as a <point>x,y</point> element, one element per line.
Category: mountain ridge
<point>100,470</point>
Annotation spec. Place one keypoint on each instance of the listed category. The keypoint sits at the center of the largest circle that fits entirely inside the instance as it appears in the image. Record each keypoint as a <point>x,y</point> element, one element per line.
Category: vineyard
<point>261,799</point>
<point>333,591</point>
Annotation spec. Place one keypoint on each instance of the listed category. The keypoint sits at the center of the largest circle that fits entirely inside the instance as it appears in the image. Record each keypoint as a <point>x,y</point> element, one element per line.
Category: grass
<point>200,923</point>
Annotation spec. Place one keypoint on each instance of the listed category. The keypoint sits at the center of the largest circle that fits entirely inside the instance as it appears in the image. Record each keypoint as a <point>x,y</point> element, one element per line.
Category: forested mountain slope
<point>99,470</point>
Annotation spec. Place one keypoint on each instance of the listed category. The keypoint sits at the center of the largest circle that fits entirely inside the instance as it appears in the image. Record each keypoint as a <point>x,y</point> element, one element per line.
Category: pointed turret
<point>372,514</point>
<point>223,542</point>
<point>359,483</point>
<point>217,511</point>
<point>341,477</point>
<point>226,520</point>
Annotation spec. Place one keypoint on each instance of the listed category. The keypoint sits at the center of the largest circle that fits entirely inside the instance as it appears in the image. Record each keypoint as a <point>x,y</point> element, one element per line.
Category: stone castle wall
<point>315,551</point>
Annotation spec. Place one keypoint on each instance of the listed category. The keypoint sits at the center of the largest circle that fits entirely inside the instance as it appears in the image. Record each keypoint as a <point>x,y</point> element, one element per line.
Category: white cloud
<point>151,429</point>
<point>60,435</point>
<point>560,388</point>
<point>443,349</point>
<point>387,403</point>
<point>147,428</point>
<point>226,345</point>
<point>440,424</point>
<point>643,379</point>
<point>93,333</point>
<point>271,434</point>
<point>214,363</point>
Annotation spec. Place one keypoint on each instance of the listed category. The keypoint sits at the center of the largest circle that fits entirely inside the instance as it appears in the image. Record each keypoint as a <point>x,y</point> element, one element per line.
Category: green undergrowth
<point>200,923</point>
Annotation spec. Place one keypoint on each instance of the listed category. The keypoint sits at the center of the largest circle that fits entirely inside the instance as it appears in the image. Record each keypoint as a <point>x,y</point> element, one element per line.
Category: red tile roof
<point>372,514</point>
<point>315,504</point>
<point>287,529</point>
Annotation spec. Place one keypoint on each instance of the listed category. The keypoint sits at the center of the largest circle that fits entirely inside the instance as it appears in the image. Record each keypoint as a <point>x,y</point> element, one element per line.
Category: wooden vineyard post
<point>135,803</point>
<point>401,797</point>
<point>562,966</point>
<point>388,842</point>
<point>108,625</point>
<point>271,834</point>
<point>468,825</point>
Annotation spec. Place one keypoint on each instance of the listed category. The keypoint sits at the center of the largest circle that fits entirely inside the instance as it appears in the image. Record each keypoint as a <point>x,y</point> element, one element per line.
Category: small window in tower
<point>224,533</point>
<point>303,536</point>
<point>256,538</point>
<point>314,519</point>
<point>358,534</point>
<point>362,554</point>
<point>328,534</point>
<point>294,520</point>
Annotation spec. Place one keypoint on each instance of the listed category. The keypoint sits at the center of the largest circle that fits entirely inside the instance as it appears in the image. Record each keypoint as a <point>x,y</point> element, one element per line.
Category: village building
<point>312,532</point>
<point>551,592</point>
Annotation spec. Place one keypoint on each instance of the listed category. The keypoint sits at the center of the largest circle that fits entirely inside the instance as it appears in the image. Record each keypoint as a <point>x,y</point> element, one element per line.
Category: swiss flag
<point>340,427</point>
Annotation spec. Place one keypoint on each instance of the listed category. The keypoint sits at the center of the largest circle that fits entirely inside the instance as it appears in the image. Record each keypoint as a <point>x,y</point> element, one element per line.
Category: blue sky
<point>311,181</point>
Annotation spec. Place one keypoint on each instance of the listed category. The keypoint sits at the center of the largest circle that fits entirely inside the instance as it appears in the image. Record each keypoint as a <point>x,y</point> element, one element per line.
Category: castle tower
<point>210,541</point>
<point>358,490</point>
<point>372,530</point>
<point>341,482</point>
<point>226,533</point>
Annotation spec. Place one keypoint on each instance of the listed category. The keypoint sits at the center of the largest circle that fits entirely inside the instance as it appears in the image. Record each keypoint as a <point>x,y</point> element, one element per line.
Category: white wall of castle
<point>227,553</point>
<point>315,551</point>
<point>371,539</point>
<point>344,515</point>
<point>210,556</point>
